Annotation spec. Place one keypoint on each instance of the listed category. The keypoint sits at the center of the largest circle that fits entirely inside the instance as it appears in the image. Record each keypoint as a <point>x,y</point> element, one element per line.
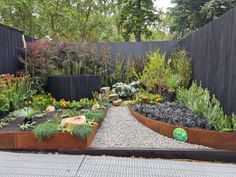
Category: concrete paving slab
<point>24,164</point>
<point>132,167</point>
<point>46,165</point>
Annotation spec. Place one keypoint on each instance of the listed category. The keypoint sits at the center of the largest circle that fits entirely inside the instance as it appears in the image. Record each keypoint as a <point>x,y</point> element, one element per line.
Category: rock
<point>117,102</point>
<point>105,89</point>
<point>73,121</point>
<point>50,109</point>
<point>113,97</point>
<point>96,106</point>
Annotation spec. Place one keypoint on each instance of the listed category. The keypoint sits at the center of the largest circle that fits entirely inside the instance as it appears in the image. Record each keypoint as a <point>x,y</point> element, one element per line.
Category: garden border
<point>60,140</point>
<point>213,139</point>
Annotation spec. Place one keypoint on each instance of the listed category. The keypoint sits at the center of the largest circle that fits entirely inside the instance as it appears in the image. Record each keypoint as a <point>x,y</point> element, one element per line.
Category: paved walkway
<point>44,165</point>
<point>121,129</point>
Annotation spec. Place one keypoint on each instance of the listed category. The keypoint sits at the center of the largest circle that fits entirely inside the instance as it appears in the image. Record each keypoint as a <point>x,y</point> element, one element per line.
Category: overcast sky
<point>163,3</point>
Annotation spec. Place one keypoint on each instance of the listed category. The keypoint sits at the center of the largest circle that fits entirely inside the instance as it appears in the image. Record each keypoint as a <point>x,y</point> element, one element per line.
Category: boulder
<point>50,109</point>
<point>105,89</point>
<point>113,97</point>
<point>117,102</point>
<point>96,106</point>
<point>73,121</point>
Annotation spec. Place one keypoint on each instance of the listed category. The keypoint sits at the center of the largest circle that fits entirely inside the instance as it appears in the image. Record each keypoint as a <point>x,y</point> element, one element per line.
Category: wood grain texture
<point>212,49</point>
<point>10,43</point>
<point>73,87</point>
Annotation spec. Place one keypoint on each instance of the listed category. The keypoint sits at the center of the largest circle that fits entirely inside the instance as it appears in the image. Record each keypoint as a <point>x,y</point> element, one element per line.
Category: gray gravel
<point>121,130</point>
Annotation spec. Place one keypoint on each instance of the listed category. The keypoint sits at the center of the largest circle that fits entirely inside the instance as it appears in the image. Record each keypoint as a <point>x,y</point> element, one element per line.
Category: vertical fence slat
<point>212,50</point>
<point>10,42</point>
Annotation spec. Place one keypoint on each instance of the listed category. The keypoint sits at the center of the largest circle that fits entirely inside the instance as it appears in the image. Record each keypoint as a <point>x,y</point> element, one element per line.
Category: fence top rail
<point>10,28</point>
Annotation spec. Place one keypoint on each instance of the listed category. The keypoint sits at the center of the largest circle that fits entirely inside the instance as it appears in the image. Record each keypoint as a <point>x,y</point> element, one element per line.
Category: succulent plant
<point>125,90</point>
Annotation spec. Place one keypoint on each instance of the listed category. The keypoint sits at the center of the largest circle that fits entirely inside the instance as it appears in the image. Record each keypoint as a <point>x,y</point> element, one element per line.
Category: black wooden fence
<point>213,52</point>
<point>10,43</point>
<point>73,87</point>
<point>137,50</point>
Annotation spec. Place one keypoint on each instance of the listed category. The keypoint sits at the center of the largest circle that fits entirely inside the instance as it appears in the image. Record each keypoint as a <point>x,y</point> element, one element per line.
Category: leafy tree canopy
<point>189,15</point>
<point>137,17</point>
<point>67,19</point>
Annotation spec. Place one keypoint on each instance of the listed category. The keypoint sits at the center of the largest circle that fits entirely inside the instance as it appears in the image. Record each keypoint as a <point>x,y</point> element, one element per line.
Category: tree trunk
<point>138,33</point>
<point>138,36</point>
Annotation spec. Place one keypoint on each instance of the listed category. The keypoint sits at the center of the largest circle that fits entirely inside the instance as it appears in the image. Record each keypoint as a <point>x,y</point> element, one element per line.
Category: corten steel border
<point>60,140</point>
<point>213,139</point>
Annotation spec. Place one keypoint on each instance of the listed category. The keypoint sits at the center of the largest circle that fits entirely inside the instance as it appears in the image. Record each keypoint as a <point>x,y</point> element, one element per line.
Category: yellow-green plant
<point>46,130</point>
<point>14,91</point>
<point>129,74</point>
<point>42,101</point>
<point>146,97</point>
<point>156,72</point>
<point>173,82</point>
<point>117,75</point>
<point>95,116</point>
<point>201,102</point>
<point>182,66</point>
<point>82,131</point>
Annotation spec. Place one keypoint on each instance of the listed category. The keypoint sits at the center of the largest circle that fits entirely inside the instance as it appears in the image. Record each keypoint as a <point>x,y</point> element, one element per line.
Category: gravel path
<point>120,129</point>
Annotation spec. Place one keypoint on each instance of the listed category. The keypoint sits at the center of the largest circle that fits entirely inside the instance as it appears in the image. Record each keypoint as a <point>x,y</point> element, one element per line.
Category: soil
<point>173,113</point>
<point>14,126</point>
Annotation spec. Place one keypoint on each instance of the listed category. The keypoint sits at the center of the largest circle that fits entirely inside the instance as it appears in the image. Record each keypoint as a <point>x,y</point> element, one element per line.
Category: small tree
<point>156,72</point>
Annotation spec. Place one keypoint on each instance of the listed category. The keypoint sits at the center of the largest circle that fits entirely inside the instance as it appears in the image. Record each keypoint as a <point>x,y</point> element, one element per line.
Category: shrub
<point>117,75</point>
<point>42,101</point>
<point>156,72</point>
<point>82,103</point>
<point>146,97</point>
<point>26,113</point>
<point>202,103</point>
<point>35,60</point>
<point>129,71</point>
<point>4,103</point>
<point>125,90</point>
<point>45,130</point>
<point>173,82</point>
<point>95,116</point>
<point>69,113</point>
<point>14,91</point>
<point>181,66</point>
<point>82,131</point>
<point>101,99</point>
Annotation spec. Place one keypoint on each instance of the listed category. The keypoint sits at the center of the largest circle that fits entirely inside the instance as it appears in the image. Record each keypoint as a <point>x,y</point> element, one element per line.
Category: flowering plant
<point>14,90</point>
<point>146,97</point>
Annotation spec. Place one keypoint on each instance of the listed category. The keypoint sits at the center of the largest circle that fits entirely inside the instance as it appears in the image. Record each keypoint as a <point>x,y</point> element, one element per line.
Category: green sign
<point>180,134</point>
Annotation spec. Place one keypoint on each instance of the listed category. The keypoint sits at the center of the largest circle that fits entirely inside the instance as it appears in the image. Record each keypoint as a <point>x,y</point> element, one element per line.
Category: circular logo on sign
<point>180,134</point>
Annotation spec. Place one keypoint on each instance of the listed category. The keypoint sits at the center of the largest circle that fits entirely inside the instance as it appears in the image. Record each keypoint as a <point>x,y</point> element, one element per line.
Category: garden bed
<point>60,140</point>
<point>205,137</point>
<point>16,140</point>
<point>173,113</point>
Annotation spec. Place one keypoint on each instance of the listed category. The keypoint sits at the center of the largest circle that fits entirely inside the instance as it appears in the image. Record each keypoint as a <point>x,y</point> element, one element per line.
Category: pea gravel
<point>121,130</point>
